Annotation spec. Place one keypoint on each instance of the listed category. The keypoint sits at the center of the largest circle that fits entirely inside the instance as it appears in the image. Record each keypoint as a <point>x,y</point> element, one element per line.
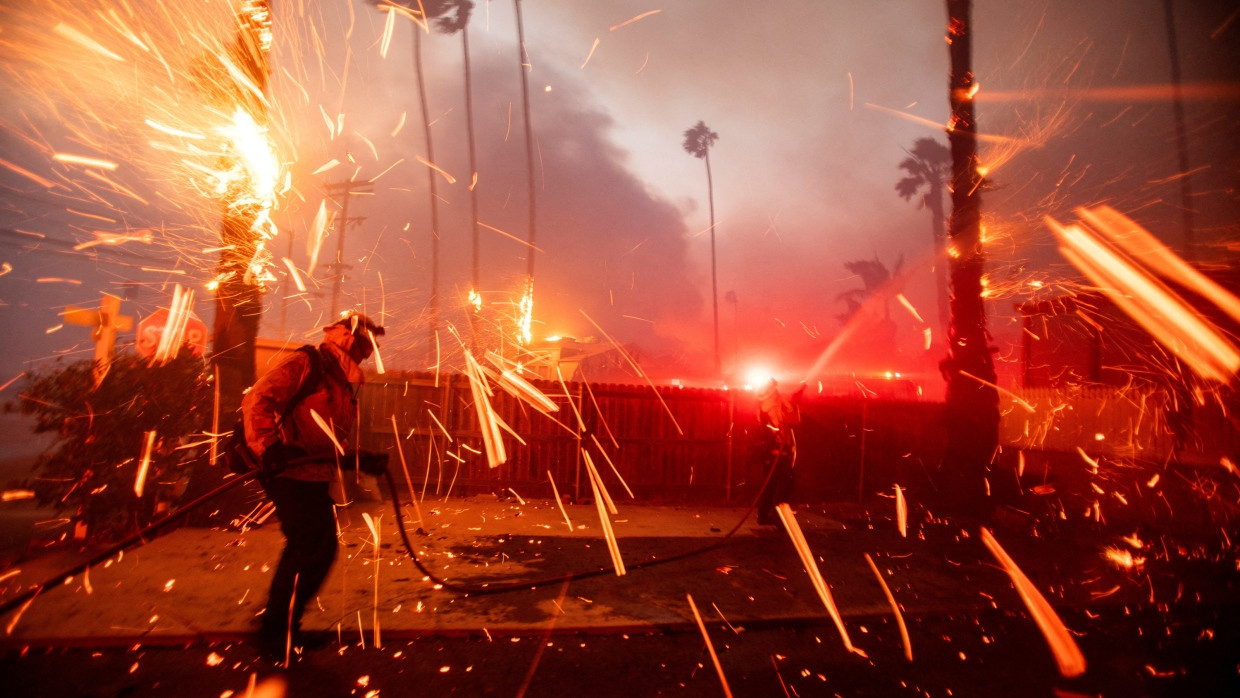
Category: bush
<point>92,467</point>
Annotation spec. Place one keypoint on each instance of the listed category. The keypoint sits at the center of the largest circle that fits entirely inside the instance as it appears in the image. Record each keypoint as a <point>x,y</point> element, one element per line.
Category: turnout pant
<point>308,520</point>
<point>778,488</point>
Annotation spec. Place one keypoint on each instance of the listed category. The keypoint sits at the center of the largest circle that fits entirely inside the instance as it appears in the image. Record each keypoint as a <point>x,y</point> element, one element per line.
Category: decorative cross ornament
<point>106,322</point>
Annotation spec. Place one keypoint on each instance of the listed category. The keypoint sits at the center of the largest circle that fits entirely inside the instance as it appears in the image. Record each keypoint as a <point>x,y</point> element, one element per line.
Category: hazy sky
<point>814,102</point>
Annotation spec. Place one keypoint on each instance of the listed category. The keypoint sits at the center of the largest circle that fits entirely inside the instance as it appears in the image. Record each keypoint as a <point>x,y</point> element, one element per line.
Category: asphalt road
<point>1176,651</point>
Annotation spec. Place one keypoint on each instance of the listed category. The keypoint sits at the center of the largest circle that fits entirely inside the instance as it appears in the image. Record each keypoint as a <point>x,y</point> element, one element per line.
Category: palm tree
<point>971,411</point>
<point>928,166</point>
<point>698,142</point>
<point>458,21</point>
<point>238,298</point>
<point>867,315</point>
<point>875,281</point>
<point>431,9</point>
<point>527,299</point>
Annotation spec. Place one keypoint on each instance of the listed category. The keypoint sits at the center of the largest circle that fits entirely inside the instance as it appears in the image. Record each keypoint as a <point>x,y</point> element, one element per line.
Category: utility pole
<point>338,268</point>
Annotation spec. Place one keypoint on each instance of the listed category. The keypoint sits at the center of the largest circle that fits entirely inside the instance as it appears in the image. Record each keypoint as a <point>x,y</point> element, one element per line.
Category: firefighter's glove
<point>278,456</point>
<point>372,463</point>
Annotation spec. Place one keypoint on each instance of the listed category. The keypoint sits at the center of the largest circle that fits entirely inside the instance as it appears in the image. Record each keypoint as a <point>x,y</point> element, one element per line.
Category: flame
<point>1123,558</point>
<point>526,315</point>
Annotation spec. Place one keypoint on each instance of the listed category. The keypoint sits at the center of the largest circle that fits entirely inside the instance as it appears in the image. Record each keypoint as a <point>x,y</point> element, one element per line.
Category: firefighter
<point>778,416</point>
<point>299,463</point>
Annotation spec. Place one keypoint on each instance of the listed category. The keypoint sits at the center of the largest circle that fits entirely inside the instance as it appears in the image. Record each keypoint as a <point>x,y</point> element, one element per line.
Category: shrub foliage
<point>92,467</point>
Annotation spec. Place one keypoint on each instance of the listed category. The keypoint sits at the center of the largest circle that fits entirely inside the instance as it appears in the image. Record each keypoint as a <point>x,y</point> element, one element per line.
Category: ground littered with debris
<point>533,605</point>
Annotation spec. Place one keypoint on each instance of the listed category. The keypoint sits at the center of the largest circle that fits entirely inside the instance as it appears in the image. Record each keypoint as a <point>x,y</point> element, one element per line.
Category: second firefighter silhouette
<point>778,417</point>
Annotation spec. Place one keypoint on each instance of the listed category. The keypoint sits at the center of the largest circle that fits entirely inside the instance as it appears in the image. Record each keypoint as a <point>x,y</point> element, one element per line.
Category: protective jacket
<point>334,401</point>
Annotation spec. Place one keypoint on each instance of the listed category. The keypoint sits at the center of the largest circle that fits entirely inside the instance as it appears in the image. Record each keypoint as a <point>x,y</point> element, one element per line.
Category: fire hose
<point>482,589</point>
<point>142,536</point>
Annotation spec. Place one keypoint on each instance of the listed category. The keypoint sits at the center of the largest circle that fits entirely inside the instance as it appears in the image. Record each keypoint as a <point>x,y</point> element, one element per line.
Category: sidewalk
<point>204,584</point>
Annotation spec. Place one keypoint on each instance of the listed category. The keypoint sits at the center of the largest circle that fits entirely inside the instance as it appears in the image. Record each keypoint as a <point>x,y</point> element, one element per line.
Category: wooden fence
<point>664,444</point>
<point>683,444</point>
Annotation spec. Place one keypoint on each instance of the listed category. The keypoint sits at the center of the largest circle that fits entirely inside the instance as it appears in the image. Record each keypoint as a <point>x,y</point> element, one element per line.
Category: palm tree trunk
<point>238,307</point>
<point>238,299</point>
<point>934,200</point>
<point>529,140</point>
<point>972,405</point>
<point>714,284</point>
<point>473,186</point>
<point>434,196</point>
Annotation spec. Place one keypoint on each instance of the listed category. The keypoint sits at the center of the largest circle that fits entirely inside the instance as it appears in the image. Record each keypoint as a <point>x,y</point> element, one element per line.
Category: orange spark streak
<point>331,433</point>
<point>439,424</point>
<point>433,166</point>
<point>901,513</point>
<point>1093,464</point>
<point>639,371</point>
<point>986,137</point>
<point>292,271</point>
<point>378,358</point>
<point>12,380</point>
<point>614,469</point>
<point>517,386</point>
<point>509,236</point>
<point>488,421</point>
<point>389,25</point>
<point>558,501</point>
<point>1164,314</point>
<point>81,39</point>
<point>727,691</point>
<point>612,546</point>
<point>46,183</point>
<point>1125,233</point>
<point>173,337</point>
<point>909,307</point>
<point>400,451</point>
<point>389,169</point>
<point>71,159</point>
<point>1067,655</point>
<point>174,131</point>
<point>811,568</point>
<point>581,424</point>
<point>145,464</point>
<point>591,53</point>
<point>318,232</point>
<point>8,629</point>
<point>102,238</point>
<point>1134,93</point>
<point>638,17</point>
<point>611,505</point>
<point>373,525</point>
<point>895,607</point>
<point>1015,398</point>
